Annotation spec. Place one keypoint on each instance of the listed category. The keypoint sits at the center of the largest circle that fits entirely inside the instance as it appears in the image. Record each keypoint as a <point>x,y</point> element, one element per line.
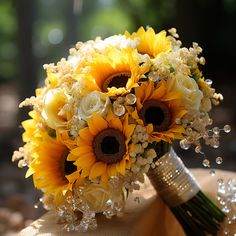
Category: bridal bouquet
<point>108,115</point>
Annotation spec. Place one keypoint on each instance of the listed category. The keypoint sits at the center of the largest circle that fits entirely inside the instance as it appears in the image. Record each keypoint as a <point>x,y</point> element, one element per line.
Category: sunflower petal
<point>105,177</point>
<point>85,134</point>
<point>96,124</point>
<point>120,167</point>
<point>116,124</point>
<point>85,160</point>
<point>111,170</point>
<point>29,172</point>
<point>97,170</point>
<point>81,150</point>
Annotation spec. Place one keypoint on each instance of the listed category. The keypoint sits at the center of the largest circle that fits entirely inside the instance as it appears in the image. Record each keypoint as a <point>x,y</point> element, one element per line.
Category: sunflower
<point>117,71</point>
<point>158,110</point>
<point>52,171</point>
<point>151,43</point>
<point>103,147</point>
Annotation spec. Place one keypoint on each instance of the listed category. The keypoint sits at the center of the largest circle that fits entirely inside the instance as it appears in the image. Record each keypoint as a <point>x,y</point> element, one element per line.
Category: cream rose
<point>97,195</point>
<point>54,102</point>
<point>188,88</point>
<point>94,102</point>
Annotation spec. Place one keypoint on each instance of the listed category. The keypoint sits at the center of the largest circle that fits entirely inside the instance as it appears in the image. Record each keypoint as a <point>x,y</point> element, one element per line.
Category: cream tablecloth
<point>149,217</point>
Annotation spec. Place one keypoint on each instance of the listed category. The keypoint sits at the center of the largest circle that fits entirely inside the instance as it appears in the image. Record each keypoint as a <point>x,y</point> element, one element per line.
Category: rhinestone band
<point>172,180</point>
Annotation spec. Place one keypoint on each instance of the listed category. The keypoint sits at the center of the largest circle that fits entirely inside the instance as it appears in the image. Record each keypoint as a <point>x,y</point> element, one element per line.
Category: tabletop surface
<point>148,217</point>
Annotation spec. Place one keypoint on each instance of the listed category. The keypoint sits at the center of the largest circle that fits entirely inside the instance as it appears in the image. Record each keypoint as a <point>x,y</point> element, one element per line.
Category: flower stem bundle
<point>197,214</point>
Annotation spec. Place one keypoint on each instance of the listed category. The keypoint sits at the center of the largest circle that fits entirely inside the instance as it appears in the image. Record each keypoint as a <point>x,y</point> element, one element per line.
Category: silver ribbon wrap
<point>172,180</point>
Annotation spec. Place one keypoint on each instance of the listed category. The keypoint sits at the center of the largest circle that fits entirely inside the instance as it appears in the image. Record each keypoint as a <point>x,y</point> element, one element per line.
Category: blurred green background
<point>33,33</point>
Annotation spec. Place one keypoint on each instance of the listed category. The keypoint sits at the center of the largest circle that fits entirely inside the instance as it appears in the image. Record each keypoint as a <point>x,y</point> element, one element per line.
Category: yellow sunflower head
<point>103,147</point>
<point>52,171</point>
<point>117,71</point>
<point>158,110</point>
<point>151,43</point>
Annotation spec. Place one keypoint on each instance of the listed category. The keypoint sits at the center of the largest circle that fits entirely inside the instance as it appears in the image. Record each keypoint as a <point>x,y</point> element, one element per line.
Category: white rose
<point>94,102</point>
<point>188,88</point>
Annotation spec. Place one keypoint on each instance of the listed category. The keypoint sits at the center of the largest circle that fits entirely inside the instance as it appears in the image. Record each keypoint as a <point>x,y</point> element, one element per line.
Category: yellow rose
<point>97,195</point>
<point>188,88</point>
<point>54,101</point>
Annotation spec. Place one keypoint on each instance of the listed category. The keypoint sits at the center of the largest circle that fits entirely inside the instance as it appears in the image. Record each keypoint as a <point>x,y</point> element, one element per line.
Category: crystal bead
<point>93,224</point>
<point>198,149</point>
<point>220,181</point>
<point>227,128</point>
<point>209,81</point>
<point>216,130</point>
<point>130,99</point>
<point>184,144</point>
<point>229,222</point>
<point>226,209</point>
<point>70,227</point>
<point>226,231</point>
<point>210,121</point>
<point>219,160</point>
<point>36,206</point>
<point>216,144</point>
<point>206,163</point>
<point>212,172</point>
<point>218,197</point>
<point>119,110</point>
<point>222,202</point>
<point>83,227</point>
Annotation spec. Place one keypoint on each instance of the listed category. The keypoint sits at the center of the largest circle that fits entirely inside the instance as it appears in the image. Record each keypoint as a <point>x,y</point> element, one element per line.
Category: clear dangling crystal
<point>209,81</point>
<point>226,231</point>
<point>206,163</point>
<point>184,144</point>
<point>219,160</point>
<point>212,172</point>
<point>216,144</point>
<point>198,149</point>
<point>130,99</point>
<point>220,182</point>
<point>222,202</point>
<point>227,128</point>
<point>216,130</point>
<point>119,110</point>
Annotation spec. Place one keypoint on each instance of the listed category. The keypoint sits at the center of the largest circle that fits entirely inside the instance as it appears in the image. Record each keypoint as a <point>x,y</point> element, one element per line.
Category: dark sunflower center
<point>109,146</point>
<point>118,80</point>
<point>156,113</point>
<point>68,166</point>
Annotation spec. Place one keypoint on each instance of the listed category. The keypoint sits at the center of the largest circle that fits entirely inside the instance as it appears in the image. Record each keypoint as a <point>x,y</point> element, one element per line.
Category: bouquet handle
<point>174,183</point>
